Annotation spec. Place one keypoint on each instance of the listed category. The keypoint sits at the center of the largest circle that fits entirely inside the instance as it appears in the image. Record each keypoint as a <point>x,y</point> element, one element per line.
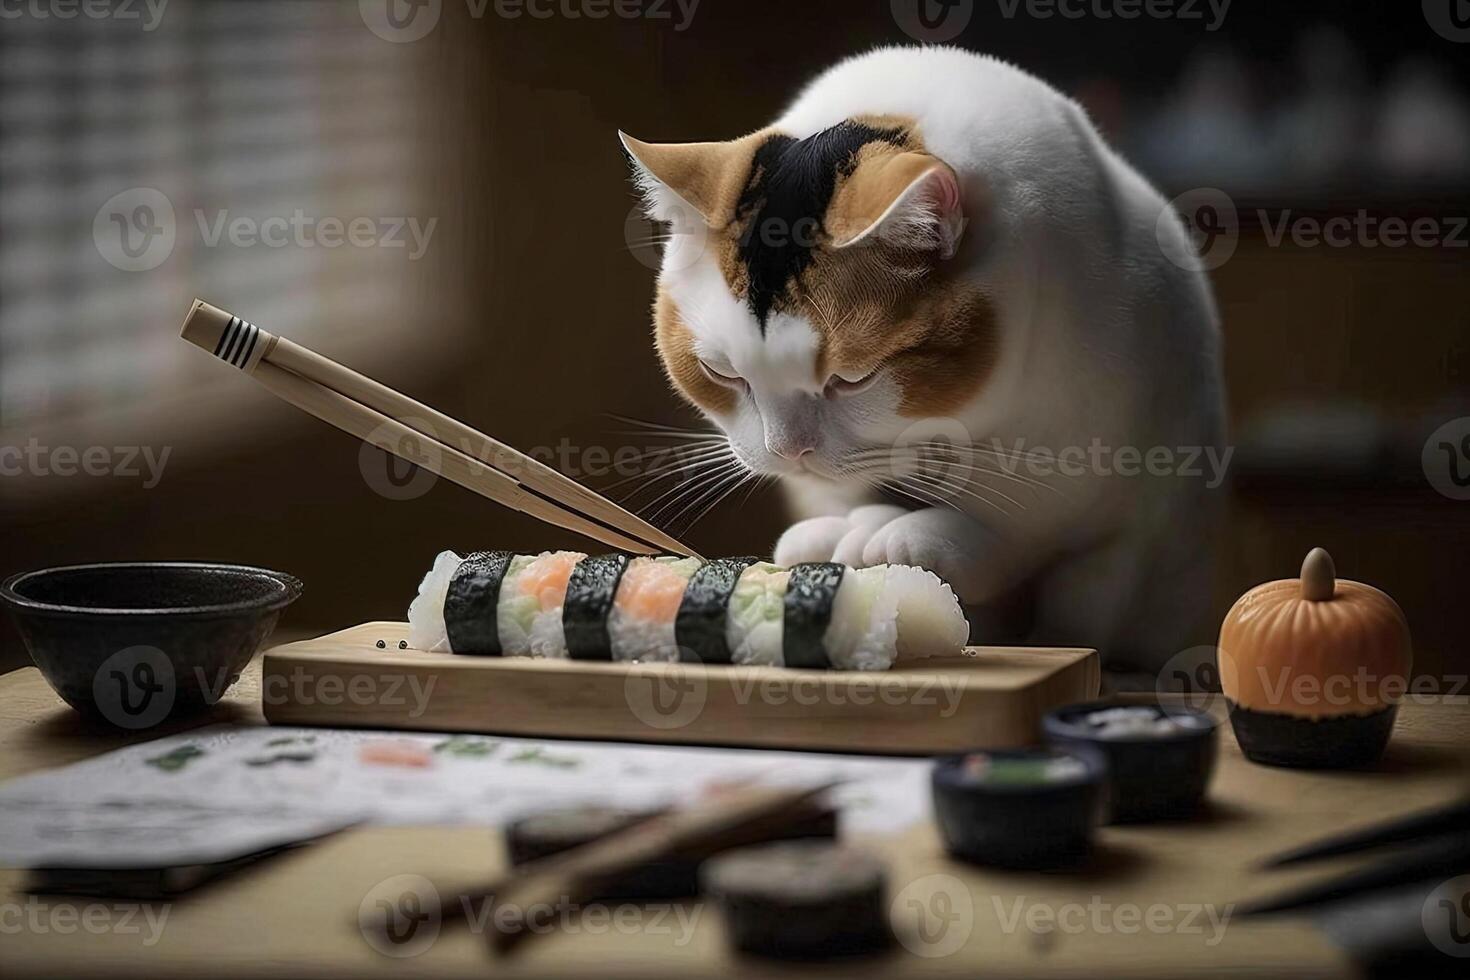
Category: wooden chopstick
<point>396,423</point>
<point>576,876</point>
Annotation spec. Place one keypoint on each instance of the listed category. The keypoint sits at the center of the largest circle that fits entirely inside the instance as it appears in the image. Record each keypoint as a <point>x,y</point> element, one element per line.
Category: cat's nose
<point>792,451</point>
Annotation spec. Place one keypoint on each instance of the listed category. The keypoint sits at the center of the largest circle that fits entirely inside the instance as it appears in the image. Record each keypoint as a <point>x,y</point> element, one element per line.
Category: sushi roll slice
<point>700,626</point>
<point>470,604</point>
<point>641,625</point>
<point>754,618</point>
<point>426,613</point>
<point>589,603</point>
<point>455,608</point>
<point>532,594</point>
<point>866,618</point>
<point>801,900</point>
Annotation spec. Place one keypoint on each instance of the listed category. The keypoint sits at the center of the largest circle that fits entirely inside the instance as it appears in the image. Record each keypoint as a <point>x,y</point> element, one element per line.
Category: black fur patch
<point>786,198</point>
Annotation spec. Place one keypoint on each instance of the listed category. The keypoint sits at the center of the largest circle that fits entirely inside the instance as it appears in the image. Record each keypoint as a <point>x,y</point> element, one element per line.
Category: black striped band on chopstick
<point>237,343</point>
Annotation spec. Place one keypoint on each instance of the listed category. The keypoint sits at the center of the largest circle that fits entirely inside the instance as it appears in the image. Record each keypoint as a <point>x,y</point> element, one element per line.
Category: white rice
<point>931,622</point>
<point>893,612</point>
<point>426,613</point>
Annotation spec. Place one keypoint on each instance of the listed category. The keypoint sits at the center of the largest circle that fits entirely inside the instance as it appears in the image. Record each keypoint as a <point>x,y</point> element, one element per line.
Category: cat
<point>935,303</point>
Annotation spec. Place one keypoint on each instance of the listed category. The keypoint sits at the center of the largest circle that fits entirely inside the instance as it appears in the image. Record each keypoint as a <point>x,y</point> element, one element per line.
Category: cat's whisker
<point>964,488</point>
<point>646,424</point>
<point>708,473</point>
<point>674,513</point>
<point>729,487</point>
<point>659,473</point>
<point>688,471</point>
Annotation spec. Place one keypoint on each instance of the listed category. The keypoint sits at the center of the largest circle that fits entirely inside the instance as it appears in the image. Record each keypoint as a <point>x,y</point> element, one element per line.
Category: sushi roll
<point>801,900</point>
<point>529,613</point>
<point>732,611</point>
<point>642,625</point>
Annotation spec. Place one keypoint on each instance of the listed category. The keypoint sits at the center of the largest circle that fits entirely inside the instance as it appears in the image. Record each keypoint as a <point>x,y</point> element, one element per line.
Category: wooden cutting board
<point>993,697</point>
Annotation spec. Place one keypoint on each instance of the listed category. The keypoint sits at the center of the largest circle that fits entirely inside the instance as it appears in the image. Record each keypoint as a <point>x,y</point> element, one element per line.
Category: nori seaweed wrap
<point>590,594</point>
<point>699,629</point>
<point>810,594</point>
<point>469,605</point>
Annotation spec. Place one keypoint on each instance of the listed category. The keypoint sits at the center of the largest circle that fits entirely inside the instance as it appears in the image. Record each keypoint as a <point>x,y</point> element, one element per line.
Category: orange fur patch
<point>675,344</point>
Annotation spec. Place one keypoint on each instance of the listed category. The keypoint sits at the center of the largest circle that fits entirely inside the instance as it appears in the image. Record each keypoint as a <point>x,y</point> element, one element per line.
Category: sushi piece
<point>493,604</point>
<point>642,623</point>
<point>801,900</point>
<point>753,622</point>
<point>426,630</point>
<point>470,604</point>
<point>700,624</point>
<point>811,595</point>
<point>589,603</point>
<point>732,611</point>
<point>532,594</point>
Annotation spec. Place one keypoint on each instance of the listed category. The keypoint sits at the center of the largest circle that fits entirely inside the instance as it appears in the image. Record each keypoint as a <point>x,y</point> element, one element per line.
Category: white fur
<point>1101,337</point>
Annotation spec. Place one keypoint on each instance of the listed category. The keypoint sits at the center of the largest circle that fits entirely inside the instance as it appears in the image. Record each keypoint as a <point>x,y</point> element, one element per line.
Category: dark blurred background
<point>498,271</point>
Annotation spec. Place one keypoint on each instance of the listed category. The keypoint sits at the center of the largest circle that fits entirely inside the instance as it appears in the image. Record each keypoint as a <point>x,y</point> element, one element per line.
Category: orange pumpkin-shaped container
<point>1314,669</point>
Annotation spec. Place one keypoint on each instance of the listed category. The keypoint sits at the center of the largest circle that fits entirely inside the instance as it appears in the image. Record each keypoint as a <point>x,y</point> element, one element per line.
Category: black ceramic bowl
<point>1154,776</point>
<point>1013,823</point>
<point>136,643</point>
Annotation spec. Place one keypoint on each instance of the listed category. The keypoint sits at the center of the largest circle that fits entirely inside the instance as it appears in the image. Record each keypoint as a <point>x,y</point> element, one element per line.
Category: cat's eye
<point>719,378</point>
<point>837,385</point>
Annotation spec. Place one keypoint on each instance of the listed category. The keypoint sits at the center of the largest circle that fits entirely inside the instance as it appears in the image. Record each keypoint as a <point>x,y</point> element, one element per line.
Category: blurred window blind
<point>253,111</point>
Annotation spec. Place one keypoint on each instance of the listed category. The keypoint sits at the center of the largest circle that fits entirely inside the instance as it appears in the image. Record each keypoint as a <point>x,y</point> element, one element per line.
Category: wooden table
<point>296,914</point>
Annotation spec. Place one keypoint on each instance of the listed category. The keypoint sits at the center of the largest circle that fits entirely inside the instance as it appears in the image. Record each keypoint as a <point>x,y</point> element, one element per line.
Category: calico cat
<point>931,280</point>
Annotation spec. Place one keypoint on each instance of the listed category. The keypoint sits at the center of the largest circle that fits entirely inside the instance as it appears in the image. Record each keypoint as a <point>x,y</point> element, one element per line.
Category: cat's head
<point>807,300</point>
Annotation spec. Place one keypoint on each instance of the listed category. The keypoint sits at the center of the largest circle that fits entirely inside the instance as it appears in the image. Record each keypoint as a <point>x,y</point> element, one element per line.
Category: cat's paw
<point>863,523</point>
<point>811,540</point>
<point>946,542</point>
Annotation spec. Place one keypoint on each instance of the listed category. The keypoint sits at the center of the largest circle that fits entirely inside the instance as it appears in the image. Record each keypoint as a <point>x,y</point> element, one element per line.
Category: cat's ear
<point>911,200</point>
<point>678,177</point>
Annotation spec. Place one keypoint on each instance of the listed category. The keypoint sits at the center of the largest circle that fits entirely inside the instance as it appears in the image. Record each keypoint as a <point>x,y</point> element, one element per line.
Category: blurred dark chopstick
<point>1444,856</point>
<point>1416,826</point>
